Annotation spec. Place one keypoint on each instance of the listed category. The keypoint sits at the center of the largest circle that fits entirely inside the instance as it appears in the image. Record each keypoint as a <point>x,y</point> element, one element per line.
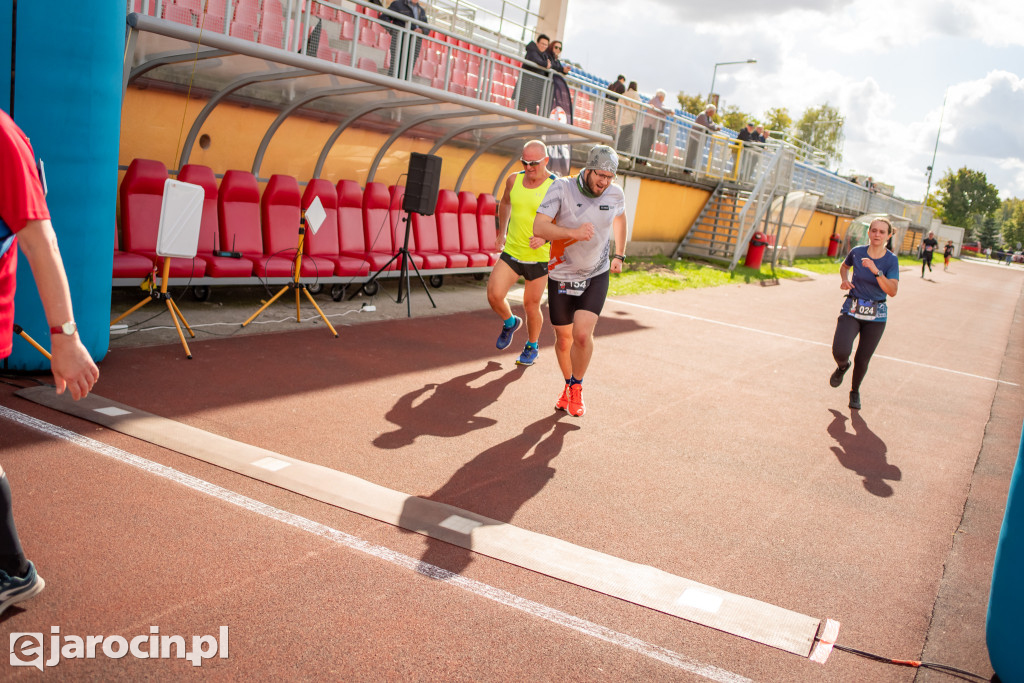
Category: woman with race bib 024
<point>875,276</point>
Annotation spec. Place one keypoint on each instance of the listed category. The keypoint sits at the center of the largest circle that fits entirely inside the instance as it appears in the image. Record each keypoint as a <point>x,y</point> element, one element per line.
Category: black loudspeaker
<point>423,183</point>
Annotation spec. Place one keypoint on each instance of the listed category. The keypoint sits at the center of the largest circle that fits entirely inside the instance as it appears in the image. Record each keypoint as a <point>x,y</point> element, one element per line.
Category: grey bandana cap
<point>602,158</point>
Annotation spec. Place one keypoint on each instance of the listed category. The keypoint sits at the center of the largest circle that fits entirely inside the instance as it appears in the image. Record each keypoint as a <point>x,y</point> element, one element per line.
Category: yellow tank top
<point>520,225</point>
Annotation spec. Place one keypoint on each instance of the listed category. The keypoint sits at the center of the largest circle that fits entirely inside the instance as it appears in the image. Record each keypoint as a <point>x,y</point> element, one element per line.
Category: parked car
<point>971,246</point>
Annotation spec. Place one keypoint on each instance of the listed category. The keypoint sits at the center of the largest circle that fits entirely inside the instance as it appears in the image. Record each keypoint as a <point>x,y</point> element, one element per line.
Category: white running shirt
<point>572,260</point>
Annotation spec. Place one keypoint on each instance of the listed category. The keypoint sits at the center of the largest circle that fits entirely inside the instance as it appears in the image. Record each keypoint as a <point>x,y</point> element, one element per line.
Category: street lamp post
<point>714,74</point>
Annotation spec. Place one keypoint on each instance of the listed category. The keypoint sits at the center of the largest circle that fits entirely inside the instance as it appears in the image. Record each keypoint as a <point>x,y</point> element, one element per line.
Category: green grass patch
<point>826,264</point>
<point>645,274</point>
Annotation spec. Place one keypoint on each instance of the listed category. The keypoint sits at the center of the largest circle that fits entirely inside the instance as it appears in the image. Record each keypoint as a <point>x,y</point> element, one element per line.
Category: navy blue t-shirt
<point>865,284</point>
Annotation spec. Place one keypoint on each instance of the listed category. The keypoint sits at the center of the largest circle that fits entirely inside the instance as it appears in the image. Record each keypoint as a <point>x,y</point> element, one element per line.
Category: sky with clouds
<point>886,64</point>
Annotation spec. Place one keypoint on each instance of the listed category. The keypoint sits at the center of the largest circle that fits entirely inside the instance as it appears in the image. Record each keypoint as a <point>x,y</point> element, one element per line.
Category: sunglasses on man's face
<point>531,163</point>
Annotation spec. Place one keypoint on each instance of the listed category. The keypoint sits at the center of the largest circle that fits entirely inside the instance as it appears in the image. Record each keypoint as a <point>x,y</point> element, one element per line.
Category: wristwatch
<point>69,328</point>
<point>878,274</point>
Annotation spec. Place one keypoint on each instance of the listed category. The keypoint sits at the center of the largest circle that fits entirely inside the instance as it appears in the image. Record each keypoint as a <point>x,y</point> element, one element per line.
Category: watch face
<point>69,328</point>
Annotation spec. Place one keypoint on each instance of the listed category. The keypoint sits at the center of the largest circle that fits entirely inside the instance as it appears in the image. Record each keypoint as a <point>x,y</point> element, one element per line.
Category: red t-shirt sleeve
<point>21,192</point>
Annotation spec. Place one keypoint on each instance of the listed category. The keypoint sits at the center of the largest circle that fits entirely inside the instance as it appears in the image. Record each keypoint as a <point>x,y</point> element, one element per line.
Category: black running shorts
<point>525,269</point>
<point>562,306</point>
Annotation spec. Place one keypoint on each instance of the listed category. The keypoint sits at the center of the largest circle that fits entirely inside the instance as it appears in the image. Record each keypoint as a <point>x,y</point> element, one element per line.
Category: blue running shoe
<point>505,338</point>
<point>528,356</point>
<point>14,589</point>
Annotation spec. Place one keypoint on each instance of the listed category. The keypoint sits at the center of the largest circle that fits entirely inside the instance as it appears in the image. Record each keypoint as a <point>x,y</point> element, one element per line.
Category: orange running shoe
<point>563,399</point>
<point>576,408</point>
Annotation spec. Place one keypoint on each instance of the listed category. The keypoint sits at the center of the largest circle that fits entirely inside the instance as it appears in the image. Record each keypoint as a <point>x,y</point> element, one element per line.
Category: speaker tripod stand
<point>404,277</point>
<point>297,285</point>
<point>161,294</point>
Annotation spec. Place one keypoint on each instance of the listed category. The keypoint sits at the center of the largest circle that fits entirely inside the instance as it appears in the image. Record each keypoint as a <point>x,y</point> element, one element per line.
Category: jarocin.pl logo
<point>27,648</point>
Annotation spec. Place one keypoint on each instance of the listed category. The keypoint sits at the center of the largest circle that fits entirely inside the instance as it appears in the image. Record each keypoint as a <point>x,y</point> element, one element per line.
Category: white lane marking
<point>805,341</point>
<point>587,628</point>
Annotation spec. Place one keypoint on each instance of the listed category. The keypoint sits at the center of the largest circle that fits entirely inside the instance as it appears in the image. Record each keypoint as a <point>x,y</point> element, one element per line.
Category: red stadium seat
<point>246,11</point>
<point>448,242</point>
<point>209,230</point>
<point>348,28</point>
<point>179,14</point>
<point>211,15</point>
<point>238,210</point>
<point>128,265</point>
<point>351,236</point>
<point>323,246</point>
<point>141,193</point>
<point>486,209</point>
<point>469,232</point>
<point>424,229</point>
<point>377,228</point>
<point>281,219</point>
<point>271,31</point>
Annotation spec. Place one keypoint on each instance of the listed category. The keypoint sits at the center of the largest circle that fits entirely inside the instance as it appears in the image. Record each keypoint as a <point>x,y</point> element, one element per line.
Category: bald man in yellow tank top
<point>522,254</point>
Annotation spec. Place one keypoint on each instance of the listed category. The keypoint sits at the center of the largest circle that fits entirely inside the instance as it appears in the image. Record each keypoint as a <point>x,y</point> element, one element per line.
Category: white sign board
<point>315,215</point>
<point>181,214</point>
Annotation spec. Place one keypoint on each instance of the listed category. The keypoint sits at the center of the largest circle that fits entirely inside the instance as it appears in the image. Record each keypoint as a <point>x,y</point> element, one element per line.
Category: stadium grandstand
<point>258,101</point>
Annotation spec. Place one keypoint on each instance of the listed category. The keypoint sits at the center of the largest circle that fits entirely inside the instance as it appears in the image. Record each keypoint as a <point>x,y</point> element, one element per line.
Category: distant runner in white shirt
<point>580,215</point>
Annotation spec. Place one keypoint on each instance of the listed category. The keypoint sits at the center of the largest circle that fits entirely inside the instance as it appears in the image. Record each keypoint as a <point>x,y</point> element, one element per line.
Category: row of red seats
<point>362,231</point>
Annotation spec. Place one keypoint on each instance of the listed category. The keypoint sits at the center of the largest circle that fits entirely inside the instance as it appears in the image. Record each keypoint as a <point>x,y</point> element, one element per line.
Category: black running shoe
<point>837,377</point>
<point>855,400</point>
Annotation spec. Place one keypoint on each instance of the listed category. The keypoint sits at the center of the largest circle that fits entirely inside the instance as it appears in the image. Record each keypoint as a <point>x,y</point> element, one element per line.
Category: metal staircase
<point>731,215</point>
<point>714,234</point>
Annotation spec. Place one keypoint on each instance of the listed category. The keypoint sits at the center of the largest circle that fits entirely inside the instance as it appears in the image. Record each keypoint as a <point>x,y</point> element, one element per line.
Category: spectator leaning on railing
<point>535,70</point>
<point>695,141</point>
<point>618,87</point>
<point>654,122</point>
<point>414,10</point>
<point>630,108</point>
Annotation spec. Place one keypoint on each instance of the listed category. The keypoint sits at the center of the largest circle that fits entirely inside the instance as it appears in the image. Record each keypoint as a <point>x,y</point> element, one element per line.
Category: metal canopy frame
<point>161,53</point>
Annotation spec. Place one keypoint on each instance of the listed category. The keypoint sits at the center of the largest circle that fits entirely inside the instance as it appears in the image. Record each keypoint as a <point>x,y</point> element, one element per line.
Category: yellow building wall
<point>819,230</point>
<point>665,211</point>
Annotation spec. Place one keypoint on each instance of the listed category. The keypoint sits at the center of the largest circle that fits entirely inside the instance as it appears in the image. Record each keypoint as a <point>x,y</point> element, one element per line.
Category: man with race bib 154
<point>580,216</point>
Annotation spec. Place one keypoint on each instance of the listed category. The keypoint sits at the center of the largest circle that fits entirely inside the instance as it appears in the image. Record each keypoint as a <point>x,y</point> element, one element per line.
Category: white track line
<point>587,628</point>
<point>804,341</point>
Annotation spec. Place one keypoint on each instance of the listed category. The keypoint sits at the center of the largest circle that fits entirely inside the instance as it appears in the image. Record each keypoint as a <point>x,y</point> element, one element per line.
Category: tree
<point>733,118</point>
<point>1011,218</point>
<point>987,230</point>
<point>691,104</point>
<point>778,119</point>
<point>964,194</point>
<point>822,128</point>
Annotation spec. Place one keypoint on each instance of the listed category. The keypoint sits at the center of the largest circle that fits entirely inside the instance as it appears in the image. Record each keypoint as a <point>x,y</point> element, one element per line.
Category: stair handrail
<point>763,190</point>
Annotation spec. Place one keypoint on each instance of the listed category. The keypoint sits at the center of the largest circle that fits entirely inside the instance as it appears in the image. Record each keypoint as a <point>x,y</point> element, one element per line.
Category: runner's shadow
<point>446,410</point>
<point>494,484</point>
<point>863,452</point>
